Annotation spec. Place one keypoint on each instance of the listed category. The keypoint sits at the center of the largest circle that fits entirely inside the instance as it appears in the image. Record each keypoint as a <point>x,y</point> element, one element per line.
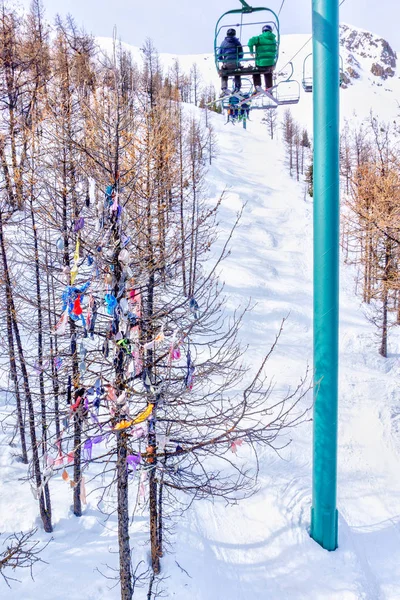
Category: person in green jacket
<point>265,47</point>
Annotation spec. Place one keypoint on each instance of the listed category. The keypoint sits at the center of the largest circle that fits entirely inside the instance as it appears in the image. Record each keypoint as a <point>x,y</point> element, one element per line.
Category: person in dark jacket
<point>230,52</point>
<point>265,46</point>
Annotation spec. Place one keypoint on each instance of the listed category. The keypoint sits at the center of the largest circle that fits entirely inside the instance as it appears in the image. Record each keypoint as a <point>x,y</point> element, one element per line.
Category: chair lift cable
<point>305,44</point>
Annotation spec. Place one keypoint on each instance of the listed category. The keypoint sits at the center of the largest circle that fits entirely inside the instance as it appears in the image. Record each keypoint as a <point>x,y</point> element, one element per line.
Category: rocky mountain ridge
<point>359,45</point>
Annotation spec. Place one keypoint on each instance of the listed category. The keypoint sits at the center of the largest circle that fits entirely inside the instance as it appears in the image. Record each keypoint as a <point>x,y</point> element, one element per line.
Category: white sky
<point>187,26</point>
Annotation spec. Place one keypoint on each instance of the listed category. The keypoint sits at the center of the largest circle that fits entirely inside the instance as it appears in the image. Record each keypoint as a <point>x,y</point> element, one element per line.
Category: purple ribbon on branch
<point>133,460</point>
<point>87,450</point>
<point>79,224</point>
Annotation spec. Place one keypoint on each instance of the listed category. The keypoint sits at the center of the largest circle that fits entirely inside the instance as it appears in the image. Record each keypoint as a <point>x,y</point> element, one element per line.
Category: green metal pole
<point>324,516</point>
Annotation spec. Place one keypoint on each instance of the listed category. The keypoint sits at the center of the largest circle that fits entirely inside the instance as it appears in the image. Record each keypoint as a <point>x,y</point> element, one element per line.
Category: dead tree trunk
<point>14,377</point>
<point>385,299</point>
<point>45,510</point>
<point>40,347</point>
<point>125,569</point>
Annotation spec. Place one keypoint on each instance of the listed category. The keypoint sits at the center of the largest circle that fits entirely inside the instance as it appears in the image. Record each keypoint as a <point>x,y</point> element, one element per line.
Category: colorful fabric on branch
<point>82,350</point>
<point>95,419</point>
<point>143,415</point>
<point>123,425</point>
<point>146,380</point>
<point>125,239</point>
<point>138,432</point>
<point>109,193</point>
<point>74,270</point>
<point>79,224</point>
<point>153,344</point>
<point>137,359</point>
<point>135,334</point>
<point>135,302</point>
<point>125,345</point>
<point>59,460</point>
<point>115,206</point>
<point>124,256</point>
<point>190,368</point>
<point>67,479</point>
<point>87,450</point>
<point>98,389</point>
<point>151,454</point>
<point>124,306</point>
<point>71,293</point>
<point>40,368</point>
<point>111,395</point>
<point>174,349</point>
<point>162,440</point>
<point>111,303</point>
<point>61,326</point>
<point>133,460</point>
<point>132,318</point>
<point>194,308</point>
<point>76,404</point>
<point>77,308</point>
<point>235,445</point>
<point>139,419</point>
<point>123,405</point>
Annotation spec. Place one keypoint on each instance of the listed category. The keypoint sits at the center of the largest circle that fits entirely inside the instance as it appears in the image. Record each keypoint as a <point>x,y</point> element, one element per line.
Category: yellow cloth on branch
<point>76,253</point>
<point>143,415</point>
<point>139,419</point>
<point>74,270</point>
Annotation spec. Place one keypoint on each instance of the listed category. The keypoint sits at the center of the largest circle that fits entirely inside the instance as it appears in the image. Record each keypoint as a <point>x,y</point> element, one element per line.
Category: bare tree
<point>136,366</point>
<point>270,119</point>
<point>22,552</point>
<point>195,79</point>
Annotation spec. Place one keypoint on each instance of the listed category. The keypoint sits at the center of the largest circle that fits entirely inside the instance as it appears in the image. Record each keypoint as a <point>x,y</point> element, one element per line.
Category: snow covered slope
<point>260,548</point>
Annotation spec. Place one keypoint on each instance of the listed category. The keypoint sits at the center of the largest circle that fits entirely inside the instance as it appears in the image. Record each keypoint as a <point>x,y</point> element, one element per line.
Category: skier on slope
<point>230,52</point>
<point>265,46</point>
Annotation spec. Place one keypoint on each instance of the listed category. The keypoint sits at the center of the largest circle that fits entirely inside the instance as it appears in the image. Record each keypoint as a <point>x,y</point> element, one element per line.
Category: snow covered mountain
<point>371,76</point>
<point>260,548</point>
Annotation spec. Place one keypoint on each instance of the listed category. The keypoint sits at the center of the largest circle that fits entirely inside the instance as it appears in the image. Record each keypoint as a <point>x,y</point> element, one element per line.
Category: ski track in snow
<point>260,548</point>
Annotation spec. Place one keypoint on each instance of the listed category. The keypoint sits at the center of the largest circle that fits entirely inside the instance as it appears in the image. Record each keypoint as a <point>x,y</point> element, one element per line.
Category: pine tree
<point>288,137</point>
<point>372,223</point>
<point>310,179</point>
